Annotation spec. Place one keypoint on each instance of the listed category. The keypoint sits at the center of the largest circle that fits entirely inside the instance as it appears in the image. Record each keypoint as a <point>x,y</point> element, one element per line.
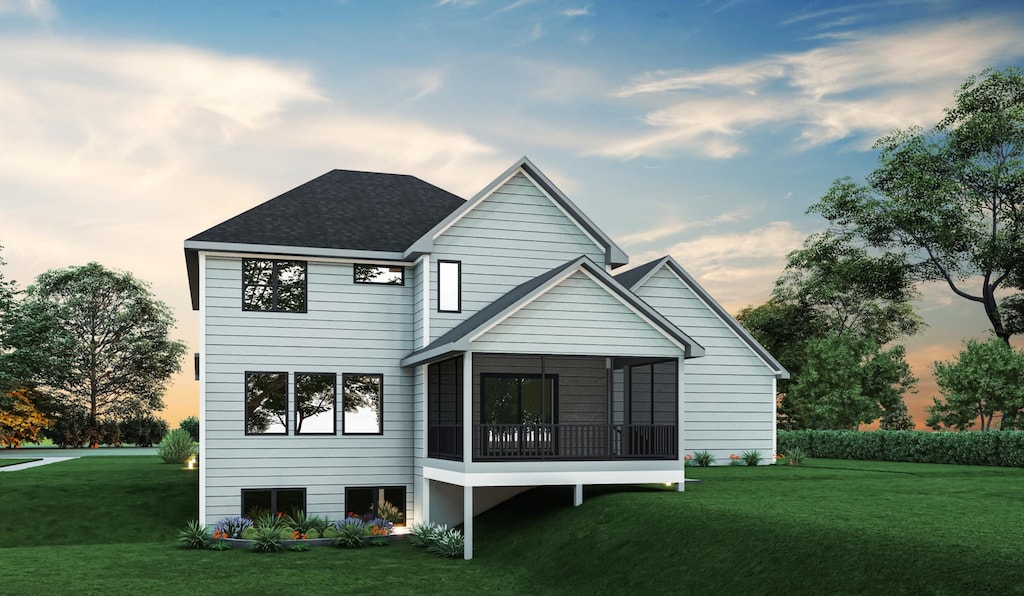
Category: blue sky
<point>698,129</point>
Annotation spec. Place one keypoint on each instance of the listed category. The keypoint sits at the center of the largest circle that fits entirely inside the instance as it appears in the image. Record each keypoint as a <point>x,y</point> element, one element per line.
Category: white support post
<point>467,512</point>
<point>577,497</point>
<point>681,399</point>
<point>425,500</point>
<point>202,390</point>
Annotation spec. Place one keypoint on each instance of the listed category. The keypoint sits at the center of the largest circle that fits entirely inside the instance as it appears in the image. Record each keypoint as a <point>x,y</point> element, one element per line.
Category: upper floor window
<point>273,285</point>
<point>379,274</point>
<point>449,286</point>
<point>266,403</point>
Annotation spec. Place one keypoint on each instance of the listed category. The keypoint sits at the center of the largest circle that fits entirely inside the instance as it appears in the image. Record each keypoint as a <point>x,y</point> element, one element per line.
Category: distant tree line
<point>944,205</point>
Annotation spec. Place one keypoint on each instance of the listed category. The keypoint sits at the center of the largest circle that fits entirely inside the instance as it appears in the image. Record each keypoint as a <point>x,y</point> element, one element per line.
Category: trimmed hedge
<point>975,448</point>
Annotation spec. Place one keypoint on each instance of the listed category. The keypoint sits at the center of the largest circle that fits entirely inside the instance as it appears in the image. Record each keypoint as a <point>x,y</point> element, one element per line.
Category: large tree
<point>949,202</point>
<point>100,341</point>
<point>986,379</point>
<point>830,312</point>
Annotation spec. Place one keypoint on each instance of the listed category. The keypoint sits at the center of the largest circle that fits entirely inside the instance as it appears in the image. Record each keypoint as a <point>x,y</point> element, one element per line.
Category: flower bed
<point>298,532</point>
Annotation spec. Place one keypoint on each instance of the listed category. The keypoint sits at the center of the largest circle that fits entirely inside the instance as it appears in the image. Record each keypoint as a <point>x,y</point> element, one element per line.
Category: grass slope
<point>106,525</point>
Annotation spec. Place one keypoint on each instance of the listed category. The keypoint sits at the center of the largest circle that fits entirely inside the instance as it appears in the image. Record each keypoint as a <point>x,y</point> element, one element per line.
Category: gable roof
<point>457,339</point>
<point>342,209</point>
<point>614,256</point>
<point>636,277</point>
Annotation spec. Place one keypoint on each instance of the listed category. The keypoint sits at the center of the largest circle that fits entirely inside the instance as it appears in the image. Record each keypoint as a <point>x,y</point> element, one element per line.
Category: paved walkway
<point>34,464</point>
<point>52,455</point>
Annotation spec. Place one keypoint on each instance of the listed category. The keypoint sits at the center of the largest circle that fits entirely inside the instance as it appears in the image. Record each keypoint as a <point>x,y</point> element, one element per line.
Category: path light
<point>192,462</point>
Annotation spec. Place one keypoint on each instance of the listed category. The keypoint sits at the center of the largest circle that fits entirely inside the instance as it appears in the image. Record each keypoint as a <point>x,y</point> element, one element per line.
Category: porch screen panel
<point>664,393</point>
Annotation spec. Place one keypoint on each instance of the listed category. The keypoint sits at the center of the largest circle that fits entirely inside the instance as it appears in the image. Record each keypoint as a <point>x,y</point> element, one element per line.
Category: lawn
<point>106,525</point>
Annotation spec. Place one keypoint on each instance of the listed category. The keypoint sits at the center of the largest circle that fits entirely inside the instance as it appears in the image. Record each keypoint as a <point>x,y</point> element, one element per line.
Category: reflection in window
<point>273,285</point>
<point>449,286</point>
<point>362,400</point>
<point>519,399</point>
<point>375,501</point>
<point>257,502</point>
<point>266,403</point>
<point>314,403</point>
<point>379,274</point>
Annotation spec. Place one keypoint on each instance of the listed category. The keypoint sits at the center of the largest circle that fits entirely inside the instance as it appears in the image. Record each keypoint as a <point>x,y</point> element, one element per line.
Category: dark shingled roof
<point>342,209</point>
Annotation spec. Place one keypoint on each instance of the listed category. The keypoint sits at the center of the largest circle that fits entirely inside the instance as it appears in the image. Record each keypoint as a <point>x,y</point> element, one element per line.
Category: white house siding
<point>577,317</point>
<point>349,328</point>
<point>730,391</point>
<point>512,236</point>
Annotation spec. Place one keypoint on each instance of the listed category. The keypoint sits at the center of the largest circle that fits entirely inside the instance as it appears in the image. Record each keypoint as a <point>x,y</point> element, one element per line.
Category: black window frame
<point>356,280</point>
<point>334,408</point>
<point>273,499</point>
<point>458,286</point>
<point>245,421</point>
<point>275,286</point>
<point>519,377</point>
<point>380,404</point>
<point>375,502</point>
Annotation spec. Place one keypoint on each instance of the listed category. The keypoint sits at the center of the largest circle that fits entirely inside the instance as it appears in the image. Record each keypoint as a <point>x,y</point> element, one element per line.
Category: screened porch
<point>536,407</point>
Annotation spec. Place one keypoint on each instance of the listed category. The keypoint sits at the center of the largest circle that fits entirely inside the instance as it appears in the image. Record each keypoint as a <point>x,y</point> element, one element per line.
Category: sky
<point>700,129</point>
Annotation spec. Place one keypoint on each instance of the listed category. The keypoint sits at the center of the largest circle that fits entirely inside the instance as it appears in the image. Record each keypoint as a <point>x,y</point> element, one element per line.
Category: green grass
<point>10,461</point>
<point>106,525</point>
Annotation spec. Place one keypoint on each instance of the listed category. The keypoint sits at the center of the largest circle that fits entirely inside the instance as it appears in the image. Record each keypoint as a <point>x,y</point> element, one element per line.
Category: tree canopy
<point>986,379</point>
<point>95,339</point>
<point>947,204</point>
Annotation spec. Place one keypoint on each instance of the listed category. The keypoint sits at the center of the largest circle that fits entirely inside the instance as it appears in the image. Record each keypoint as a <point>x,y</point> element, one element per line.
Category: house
<point>369,338</point>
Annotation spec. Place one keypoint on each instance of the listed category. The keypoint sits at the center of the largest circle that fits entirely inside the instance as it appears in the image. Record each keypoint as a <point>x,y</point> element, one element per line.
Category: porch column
<point>577,497</point>
<point>424,500</point>
<point>467,409</point>
<point>681,400</point>
<point>467,525</point>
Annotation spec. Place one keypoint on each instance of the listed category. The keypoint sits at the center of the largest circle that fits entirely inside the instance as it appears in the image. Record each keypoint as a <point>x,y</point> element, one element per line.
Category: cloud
<point>858,85</point>
<point>576,12</point>
<point>653,235</point>
<point>42,10</point>
<point>737,268</point>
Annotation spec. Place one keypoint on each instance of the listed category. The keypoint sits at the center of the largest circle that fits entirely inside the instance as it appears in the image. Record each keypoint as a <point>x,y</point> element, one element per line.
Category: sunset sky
<point>698,129</point>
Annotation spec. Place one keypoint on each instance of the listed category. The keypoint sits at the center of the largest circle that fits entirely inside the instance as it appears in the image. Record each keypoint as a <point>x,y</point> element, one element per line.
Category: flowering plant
<point>232,526</point>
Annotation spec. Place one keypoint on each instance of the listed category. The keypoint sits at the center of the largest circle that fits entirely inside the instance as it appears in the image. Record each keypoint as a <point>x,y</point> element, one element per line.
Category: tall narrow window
<point>315,399</point>
<point>266,403</point>
<point>449,286</point>
<point>273,285</point>
<point>362,400</point>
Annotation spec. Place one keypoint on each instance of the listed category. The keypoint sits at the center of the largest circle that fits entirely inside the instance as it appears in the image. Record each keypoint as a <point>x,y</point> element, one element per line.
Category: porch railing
<point>528,442</point>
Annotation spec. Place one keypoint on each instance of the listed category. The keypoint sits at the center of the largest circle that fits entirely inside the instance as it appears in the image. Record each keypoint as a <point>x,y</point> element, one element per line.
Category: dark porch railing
<point>531,442</point>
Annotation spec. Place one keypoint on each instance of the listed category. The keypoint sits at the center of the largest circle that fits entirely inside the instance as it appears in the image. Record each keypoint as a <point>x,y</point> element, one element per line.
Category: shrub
<point>176,447</point>
<point>423,535</point>
<point>233,527</point>
<point>195,535</point>
<point>448,543</point>
<point>191,424</point>
<point>144,431</point>
<point>986,448</point>
<point>110,433</point>
<point>329,532</point>
<point>277,523</point>
<point>267,540</point>
<point>351,535</point>
<point>752,458</point>
<point>69,427</point>
<point>249,533</point>
<point>795,456</point>
<point>306,523</point>
<point>313,534</point>
<point>703,458</point>
<point>389,512</point>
